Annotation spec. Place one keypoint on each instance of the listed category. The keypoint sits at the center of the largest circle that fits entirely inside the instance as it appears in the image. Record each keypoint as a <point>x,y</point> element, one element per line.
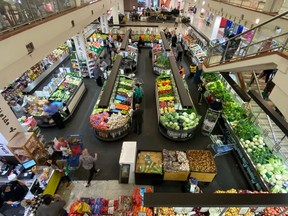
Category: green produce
<point>210,77</point>
<point>246,130</point>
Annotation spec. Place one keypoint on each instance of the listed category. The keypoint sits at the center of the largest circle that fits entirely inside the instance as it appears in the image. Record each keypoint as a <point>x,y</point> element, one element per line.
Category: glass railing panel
<point>18,13</point>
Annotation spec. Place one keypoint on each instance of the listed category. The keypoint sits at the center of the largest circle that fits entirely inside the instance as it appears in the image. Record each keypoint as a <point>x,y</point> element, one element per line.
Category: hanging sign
<point>9,124</point>
<point>104,23</point>
<point>80,47</point>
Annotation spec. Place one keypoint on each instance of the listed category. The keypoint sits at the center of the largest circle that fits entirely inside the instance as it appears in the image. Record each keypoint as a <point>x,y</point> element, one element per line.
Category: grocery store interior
<point>218,129</point>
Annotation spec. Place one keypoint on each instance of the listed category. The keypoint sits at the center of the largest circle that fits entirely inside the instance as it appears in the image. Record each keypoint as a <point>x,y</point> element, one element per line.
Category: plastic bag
<point>83,208</point>
<point>73,206</point>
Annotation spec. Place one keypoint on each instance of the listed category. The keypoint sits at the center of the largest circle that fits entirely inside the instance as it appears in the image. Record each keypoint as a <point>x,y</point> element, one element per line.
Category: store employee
<point>53,111</point>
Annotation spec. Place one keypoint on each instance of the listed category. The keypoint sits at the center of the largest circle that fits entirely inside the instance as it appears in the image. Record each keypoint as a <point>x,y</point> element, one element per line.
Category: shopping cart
<point>75,142</point>
<point>220,144</point>
<point>210,121</point>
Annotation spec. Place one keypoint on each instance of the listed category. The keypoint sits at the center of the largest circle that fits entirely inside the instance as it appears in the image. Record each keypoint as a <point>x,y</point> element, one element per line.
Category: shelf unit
<point>25,146</point>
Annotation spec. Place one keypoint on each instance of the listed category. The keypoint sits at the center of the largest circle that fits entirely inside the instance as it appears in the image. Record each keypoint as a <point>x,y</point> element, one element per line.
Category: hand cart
<point>210,121</point>
<point>220,146</point>
<point>75,142</point>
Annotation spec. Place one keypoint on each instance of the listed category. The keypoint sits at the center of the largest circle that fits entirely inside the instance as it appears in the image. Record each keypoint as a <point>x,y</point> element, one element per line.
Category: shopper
<point>138,94</point>
<point>52,206</point>
<point>176,24</point>
<point>266,45</point>
<point>103,64</point>
<point>216,105</point>
<point>169,35</point>
<point>267,74</point>
<point>137,119</point>
<point>193,69</point>
<point>179,51</point>
<point>198,73</point>
<point>179,37</point>
<point>14,191</point>
<point>232,47</point>
<point>60,166</point>
<point>53,111</point>
<point>17,109</point>
<point>88,163</point>
<point>140,44</point>
<point>201,91</point>
<point>181,71</point>
<point>174,40</point>
<point>33,204</point>
<point>61,145</point>
<point>99,75</point>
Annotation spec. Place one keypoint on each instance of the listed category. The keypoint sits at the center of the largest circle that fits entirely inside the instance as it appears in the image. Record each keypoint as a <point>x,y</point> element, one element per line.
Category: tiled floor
<point>99,189</point>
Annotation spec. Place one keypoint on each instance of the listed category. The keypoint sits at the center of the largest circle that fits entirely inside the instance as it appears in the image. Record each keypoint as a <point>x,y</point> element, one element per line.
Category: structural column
<point>104,23</point>
<point>115,15</point>
<point>273,5</point>
<point>120,6</point>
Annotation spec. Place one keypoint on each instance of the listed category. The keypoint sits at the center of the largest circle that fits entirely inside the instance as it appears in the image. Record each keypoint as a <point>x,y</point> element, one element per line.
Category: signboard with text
<point>9,124</point>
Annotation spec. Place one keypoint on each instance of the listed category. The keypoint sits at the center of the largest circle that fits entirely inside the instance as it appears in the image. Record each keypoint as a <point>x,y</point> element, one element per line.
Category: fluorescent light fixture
<point>257,21</point>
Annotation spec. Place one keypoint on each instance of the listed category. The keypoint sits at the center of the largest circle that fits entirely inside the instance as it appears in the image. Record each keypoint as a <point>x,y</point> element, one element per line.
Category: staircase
<point>270,128</point>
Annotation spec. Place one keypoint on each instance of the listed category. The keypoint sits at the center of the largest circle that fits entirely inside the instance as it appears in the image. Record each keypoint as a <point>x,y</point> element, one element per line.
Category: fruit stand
<point>67,89</point>
<point>264,168</point>
<point>177,117</point>
<point>110,117</point>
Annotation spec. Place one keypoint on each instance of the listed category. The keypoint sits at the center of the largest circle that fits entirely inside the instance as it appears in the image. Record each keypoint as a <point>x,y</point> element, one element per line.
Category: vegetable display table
<point>148,168</point>
<point>202,165</point>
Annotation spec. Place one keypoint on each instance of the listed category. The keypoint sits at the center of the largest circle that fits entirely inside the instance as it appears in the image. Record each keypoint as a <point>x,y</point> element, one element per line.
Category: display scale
<point>264,168</point>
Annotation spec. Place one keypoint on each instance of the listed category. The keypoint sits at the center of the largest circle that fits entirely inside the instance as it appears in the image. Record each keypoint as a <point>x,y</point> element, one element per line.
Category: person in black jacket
<point>174,40</point>
<point>137,119</point>
<point>14,191</point>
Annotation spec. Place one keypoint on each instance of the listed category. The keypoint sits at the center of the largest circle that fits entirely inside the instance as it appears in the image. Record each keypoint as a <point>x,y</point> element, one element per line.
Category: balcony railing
<point>253,42</point>
<point>15,14</point>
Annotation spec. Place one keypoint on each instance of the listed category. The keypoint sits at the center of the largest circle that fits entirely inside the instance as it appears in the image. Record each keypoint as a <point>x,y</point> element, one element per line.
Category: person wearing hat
<point>216,105</point>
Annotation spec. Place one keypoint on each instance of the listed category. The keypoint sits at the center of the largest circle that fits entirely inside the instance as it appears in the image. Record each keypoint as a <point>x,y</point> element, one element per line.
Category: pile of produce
<point>246,130</point>
<point>188,39</point>
<point>179,120</point>
<point>170,117</point>
<point>149,162</point>
<point>164,211</point>
<point>65,89</point>
<point>175,161</point>
<point>201,161</point>
<point>161,60</point>
<point>117,115</point>
<point>198,52</point>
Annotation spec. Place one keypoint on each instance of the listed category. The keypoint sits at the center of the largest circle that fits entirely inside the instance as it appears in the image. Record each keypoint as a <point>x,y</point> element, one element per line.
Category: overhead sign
<point>9,124</point>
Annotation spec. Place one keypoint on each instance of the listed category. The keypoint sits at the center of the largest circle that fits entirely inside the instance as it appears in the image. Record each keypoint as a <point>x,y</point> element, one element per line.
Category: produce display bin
<point>175,165</point>
<point>202,165</point>
<point>176,176</point>
<point>148,170</point>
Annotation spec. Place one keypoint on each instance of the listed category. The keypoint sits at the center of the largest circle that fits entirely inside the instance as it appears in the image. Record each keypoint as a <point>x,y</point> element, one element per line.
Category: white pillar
<point>185,8</point>
<point>215,26</point>
<point>104,23</point>
<point>173,4</point>
<point>115,15</point>
<point>120,6</point>
<point>9,124</point>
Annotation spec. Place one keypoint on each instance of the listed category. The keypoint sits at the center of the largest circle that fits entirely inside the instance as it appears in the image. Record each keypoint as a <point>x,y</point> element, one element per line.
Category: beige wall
<point>45,37</point>
<point>128,5</point>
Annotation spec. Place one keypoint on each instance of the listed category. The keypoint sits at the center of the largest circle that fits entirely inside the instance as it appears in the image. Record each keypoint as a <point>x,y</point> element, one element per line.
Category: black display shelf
<point>214,200</point>
<point>245,161</point>
<point>108,89</point>
<point>165,42</point>
<point>278,120</point>
<point>125,40</point>
<point>33,85</point>
<point>242,94</point>
<point>184,96</point>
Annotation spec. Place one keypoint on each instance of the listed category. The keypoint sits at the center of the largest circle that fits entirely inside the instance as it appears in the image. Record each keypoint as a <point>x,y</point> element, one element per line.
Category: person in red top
<point>181,71</point>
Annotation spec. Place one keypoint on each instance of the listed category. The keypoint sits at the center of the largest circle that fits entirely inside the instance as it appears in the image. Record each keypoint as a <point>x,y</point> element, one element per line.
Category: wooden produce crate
<point>202,165</point>
<point>176,176</point>
<point>144,174</point>
<point>172,161</point>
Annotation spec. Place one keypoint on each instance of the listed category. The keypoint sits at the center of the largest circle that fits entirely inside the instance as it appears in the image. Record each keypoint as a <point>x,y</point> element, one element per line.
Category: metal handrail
<point>268,118</point>
<point>253,28</point>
